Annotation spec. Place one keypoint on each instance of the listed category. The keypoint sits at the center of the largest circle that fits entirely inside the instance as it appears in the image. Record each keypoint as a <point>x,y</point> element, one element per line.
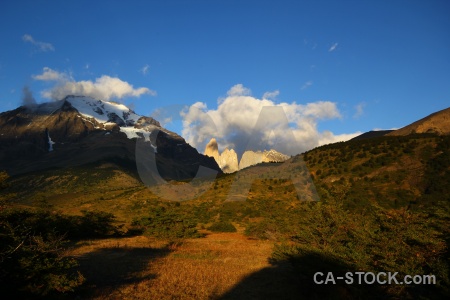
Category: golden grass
<point>147,268</point>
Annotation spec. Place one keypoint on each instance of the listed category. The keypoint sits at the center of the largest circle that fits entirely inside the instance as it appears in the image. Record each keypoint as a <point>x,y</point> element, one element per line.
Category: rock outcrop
<point>212,150</point>
<point>250,158</point>
<point>228,160</point>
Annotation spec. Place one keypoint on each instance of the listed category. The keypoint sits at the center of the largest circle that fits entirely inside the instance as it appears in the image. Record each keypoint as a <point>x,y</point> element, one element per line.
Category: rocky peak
<point>212,150</point>
<point>228,160</point>
<point>81,130</point>
<point>146,122</point>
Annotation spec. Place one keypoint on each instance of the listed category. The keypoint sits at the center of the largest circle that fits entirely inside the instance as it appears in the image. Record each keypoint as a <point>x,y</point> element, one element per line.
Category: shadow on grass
<point>292,278</point>
<point>111,267</point>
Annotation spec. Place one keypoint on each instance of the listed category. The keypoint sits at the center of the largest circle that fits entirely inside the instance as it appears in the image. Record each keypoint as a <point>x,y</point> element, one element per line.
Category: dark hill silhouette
<point>371,134</point>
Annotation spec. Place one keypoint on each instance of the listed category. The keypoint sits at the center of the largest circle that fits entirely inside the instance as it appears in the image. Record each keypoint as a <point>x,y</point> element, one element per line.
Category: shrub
<point>32,259</point>
<point>222,226</point>
<point>168,223</point>
<point>266,229</point>
<point>96,224</point>
<point>377,241</point>
<point>93,224</point>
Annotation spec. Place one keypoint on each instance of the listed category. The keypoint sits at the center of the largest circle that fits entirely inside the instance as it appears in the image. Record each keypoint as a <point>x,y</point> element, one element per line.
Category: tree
<point>32,261</point>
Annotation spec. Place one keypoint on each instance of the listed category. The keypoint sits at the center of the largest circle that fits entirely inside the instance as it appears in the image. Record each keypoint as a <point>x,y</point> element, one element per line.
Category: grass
<point>148,268</point>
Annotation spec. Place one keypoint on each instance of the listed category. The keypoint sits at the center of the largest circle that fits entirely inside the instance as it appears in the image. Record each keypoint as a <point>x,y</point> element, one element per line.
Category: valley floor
<point>219,266</point>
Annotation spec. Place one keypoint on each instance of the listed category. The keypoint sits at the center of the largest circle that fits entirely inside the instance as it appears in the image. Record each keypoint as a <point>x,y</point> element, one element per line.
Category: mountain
<point>212,150</point>
<point>250,158</point>
<point>79,130</point>
<point>228,159</point>
<point>438,123</point>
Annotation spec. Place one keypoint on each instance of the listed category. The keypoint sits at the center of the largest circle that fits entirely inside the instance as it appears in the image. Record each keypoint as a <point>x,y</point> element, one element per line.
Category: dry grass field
<point>219,266</point>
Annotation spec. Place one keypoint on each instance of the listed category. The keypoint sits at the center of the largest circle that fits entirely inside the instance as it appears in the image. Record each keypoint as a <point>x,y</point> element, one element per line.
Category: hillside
<point>372,134</point>
<point>371,178</point>
<point>438,122</point>
<point>393,172</point>
<point>384,207</point>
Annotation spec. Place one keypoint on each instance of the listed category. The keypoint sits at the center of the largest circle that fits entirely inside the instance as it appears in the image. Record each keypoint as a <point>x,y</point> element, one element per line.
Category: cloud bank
<point>237,114</point>
<point>104,87</point>
<point>41,46</point>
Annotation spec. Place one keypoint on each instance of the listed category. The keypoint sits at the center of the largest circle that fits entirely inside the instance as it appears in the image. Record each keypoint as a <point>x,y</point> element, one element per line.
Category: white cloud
<point>359,110</point>
<point>306,85</point>
<point>51,75</point>
<point>327,137</point>
<point>144,69</point>
<point>381,129</point>
<point>236,116</point>
<point>333,47</point>
<point>42,46</point>
<point>271,95</point>
<point>104,87</point>
<point>238,90</point>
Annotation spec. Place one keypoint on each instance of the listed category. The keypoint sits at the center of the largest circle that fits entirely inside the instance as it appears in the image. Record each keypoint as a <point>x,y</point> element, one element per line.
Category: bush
<point>92,224</point>
<point>376,241</point>
<point>32,260</point>
<point>266,229</point>
<point>222,227</point>
<point>168,223</point>
<point>96,224</point>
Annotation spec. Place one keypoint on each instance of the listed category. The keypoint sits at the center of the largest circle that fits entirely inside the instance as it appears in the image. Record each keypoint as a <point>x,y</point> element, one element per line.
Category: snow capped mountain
<point>104,115</point>
<point>81,130</point>
<point>103,111</point>
<point>111,114</point>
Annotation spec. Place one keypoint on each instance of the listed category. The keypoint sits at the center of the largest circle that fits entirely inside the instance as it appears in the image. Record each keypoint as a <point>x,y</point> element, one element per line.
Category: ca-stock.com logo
<point>293,170</point>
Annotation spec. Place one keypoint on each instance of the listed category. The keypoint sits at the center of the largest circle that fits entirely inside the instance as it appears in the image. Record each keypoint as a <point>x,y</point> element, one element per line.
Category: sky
<point>338,68</point>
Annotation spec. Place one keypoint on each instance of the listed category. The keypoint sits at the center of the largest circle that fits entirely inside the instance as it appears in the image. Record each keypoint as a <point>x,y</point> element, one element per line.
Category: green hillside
<point>384,206</point>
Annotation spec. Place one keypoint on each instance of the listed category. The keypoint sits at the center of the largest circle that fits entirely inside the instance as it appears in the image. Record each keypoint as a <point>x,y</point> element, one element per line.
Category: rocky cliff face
<point>250,158</point>
<point>212,150</point>
<point>78,131</point>
<point>228,159</point>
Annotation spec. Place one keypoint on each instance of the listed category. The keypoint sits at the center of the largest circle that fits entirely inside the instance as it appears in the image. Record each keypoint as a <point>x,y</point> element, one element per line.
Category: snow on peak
<point>110,113</point>
<point>103,111</point>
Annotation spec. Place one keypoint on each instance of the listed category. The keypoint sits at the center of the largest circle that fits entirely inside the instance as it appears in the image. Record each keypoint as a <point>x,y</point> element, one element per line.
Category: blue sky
<point>383,64</point>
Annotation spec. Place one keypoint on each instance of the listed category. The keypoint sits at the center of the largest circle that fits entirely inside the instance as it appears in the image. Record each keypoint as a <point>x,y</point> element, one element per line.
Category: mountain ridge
<point>228,160</point>
<point>437,122</point>
<point>81,130</point>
